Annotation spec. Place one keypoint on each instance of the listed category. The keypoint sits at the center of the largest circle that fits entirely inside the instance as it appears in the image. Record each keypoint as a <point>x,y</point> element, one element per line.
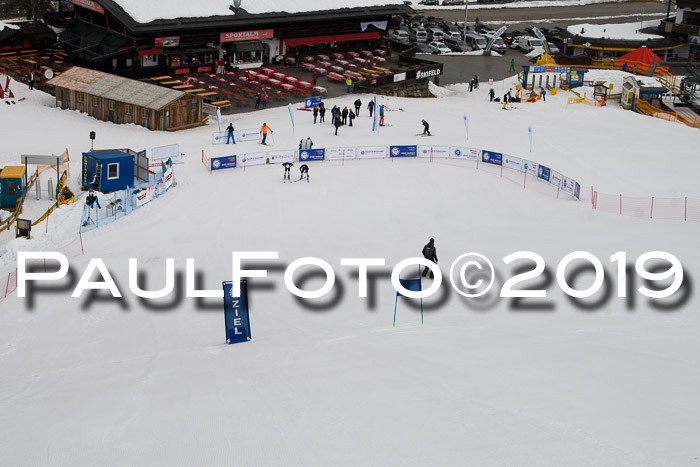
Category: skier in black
<point>315,113</point>
<point>336,123</point>
<point>321,112</point>
<point>370,107</point>
<point>345,116</point>
<point>358,104</point>
<point>492,95</point>
<point>287,166</point>
<point>304,169</point>
<point>426,129</point>
<point>430,253</point>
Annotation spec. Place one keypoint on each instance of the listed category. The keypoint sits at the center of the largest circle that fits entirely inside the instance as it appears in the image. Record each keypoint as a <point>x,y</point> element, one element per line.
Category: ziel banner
<point>307,155</point>
<point>403,151</point>
<point>340,153</point>
<point>495,158</point>
<point>371,152</point>
<point>434,151</point>
<point>256,158</point>
<point>471,154</point>
<point>236,314</point>
<point>226,162</point>
<point>280,157</point>
<point>249,134</point>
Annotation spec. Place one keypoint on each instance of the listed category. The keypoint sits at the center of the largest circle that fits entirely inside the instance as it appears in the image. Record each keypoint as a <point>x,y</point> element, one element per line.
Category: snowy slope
<point>95,382</point>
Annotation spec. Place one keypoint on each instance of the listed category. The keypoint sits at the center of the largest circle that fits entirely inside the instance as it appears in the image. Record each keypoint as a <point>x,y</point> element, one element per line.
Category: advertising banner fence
<point>403,151</point>
<point>255,158</point>
<point>249,134</point>
<point>371,152</point>
<point>280,157</point>
<point>471,154</point>
<point>434,151</point>
<point>307,155</point>
<point>490,157</point>
<point>340,153</point>
<point>226,162</point>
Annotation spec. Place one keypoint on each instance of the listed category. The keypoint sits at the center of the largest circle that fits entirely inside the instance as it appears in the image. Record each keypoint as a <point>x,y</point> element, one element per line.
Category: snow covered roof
<point>129,91</point>
<point>147,11</point>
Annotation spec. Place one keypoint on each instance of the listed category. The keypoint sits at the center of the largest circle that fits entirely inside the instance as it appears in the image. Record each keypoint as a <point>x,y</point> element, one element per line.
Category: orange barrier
<point>647,109</point>
<point>679,209</point>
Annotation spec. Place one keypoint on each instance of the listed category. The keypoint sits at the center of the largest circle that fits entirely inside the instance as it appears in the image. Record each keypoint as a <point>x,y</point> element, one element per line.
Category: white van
<point>475,41</point>
<point>528,44</point>
<point>419,35</point>
<point>436,34</point>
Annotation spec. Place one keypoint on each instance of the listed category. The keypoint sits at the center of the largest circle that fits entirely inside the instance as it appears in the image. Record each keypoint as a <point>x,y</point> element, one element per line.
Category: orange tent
<point>642,57</point>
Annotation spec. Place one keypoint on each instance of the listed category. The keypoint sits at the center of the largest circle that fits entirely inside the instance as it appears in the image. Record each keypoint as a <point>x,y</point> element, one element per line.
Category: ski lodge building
<point>161,37</point>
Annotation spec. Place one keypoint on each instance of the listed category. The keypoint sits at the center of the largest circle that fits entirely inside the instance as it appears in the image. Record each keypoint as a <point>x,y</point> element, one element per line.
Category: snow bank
<point>628,31</point>
<point>147,11</point>
<point>6,24</point>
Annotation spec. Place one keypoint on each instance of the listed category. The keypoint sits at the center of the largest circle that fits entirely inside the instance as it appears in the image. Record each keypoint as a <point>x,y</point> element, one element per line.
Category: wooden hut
<point>112,98</point>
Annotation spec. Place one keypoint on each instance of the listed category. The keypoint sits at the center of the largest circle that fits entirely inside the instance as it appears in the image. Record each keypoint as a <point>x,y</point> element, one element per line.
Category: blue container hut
<point>108,170</point>
<point>11,186</point>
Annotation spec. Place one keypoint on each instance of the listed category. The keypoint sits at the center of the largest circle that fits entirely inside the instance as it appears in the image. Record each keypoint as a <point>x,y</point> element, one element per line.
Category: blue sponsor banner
<point>236,316</point>
<point>550,69</point>
<point>495,158</point>
<point>577,191</point>
<point>403,151</point>
<point>544,172</point>
<point>227,162</point>
<point>306,155</point>
<point>309,102</point>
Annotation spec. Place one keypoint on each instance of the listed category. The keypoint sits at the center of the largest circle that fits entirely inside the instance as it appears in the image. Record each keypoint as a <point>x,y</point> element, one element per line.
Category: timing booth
<point>11,186</point>
<point>109,170</point>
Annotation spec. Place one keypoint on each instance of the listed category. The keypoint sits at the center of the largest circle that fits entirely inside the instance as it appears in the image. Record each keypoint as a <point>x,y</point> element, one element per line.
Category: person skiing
<point>258,96</point>
<point>492,95</point>
<point>337,123</point>
<point>230,136</point>
<point>315,113</point>
<point>426,129</point>
<point>512,65</point>
<point>304,169</point>
<point>430,253</point>
<point>381,115</point>
<point>287,167</point>
<point>345,115</point>
<point>263,131</point>
<point>322,112</point>
<point>370,107</point>
<point>358,104</point>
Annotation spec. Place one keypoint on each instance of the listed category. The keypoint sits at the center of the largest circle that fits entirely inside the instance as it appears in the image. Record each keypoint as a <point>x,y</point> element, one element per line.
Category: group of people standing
<point>345,116</point>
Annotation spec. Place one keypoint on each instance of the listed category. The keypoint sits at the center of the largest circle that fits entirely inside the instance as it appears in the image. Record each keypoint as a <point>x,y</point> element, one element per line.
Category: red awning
<point>308,40</point>
<point>150,52</point>
<point>337,38</point>
<point>357,36</point>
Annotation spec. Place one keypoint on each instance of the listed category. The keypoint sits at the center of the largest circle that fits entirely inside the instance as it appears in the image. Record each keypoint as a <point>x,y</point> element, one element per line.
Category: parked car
<point>400,35</point>
<point>553,49</point>
<point>475,41</point>
<point>483,29</point>
<point>449,27</point>
<point>419,35</point>
<point>527,43</point>
<point>429,2</point>
<point>439,47</point>
<point>453,2</point>
<point>498,45</point>
<point>457,45</point>
<point>422,48</point>
<point>436,35</point>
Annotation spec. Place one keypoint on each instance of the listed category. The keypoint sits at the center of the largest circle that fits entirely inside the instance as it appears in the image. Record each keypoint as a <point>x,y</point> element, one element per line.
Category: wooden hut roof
<point>129,91</point>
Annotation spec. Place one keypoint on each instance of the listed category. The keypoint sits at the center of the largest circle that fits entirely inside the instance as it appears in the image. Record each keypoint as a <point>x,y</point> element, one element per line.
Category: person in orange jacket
<point>263,131</point>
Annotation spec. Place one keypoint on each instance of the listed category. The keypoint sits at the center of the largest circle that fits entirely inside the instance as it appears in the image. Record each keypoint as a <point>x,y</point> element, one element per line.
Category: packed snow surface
<point>151,10</point>
<point>630,31</point>
<point>330,381</point>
